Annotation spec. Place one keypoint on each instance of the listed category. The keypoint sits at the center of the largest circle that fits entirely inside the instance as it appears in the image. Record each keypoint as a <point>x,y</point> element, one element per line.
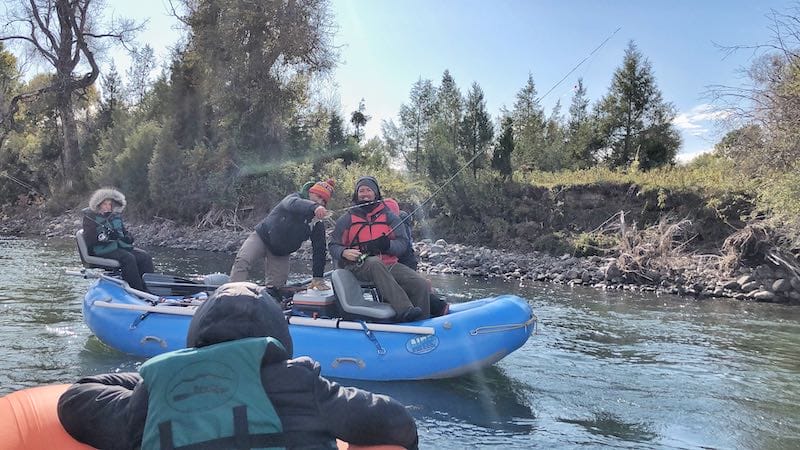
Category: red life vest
<point>369,227</point>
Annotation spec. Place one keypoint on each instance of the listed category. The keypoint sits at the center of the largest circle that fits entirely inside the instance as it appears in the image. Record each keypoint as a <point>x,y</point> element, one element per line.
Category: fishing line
<point>22,183</point>
<point>580,63</point>
<point>449,180</point>
<point>461,169</point>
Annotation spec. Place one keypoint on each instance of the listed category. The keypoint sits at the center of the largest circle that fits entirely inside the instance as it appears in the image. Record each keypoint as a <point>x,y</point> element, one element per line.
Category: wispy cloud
<point>684,158</point>
<point>698,119</point>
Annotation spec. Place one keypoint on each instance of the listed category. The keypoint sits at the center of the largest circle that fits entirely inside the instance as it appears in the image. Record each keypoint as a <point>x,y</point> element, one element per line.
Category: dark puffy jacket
<point>287,226</point>
<point>109,411</point>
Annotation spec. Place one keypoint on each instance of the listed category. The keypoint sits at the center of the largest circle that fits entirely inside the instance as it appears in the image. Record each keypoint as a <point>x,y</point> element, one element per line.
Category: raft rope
<point>506,327</point>
<point>371,336</point>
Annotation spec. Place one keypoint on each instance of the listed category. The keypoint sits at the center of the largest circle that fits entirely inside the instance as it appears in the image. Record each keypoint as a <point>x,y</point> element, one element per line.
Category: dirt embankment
<point>607,236</point>
<point>550,220</point>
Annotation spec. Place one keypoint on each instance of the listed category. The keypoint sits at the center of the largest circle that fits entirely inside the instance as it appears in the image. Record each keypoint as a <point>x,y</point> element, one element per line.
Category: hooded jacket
<point>116,197</point>
<point>362,221</point>
<point>105,232</point>
<point>305,401</point>
<point>289,224</point>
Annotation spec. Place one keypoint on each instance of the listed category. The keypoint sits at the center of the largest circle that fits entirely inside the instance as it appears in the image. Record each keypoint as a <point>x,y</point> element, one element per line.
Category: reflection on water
<point>607,369</point>
<point>487,399</point>
<point>608,425</point>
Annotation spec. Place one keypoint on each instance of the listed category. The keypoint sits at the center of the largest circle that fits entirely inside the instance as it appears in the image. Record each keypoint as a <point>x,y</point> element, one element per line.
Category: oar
<point>165,280</point>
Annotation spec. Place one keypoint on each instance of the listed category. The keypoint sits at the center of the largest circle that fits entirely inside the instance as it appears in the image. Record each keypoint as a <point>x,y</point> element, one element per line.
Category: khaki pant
<point>398,285</point>
<point>276,268</point>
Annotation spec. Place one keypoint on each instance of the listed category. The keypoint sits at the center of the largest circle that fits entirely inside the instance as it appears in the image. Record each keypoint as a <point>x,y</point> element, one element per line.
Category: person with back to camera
<point>367,242</point>
<point>234,387</point>
<point>290,223</point>
<point>106,236</point>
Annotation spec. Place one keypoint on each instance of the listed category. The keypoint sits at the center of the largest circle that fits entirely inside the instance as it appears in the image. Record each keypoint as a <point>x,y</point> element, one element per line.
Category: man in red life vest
<point>367,242</point>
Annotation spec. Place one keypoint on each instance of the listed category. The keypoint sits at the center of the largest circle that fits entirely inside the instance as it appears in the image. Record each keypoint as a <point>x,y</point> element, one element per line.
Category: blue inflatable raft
<point>472,335</point>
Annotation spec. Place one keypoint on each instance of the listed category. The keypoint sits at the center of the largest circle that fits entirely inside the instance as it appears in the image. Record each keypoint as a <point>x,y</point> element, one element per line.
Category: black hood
<point>238,311</point>
<point>371,183</point>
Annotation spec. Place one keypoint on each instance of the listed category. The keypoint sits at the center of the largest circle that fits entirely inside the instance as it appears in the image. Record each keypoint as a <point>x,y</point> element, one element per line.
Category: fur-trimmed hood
<point>107,193</point>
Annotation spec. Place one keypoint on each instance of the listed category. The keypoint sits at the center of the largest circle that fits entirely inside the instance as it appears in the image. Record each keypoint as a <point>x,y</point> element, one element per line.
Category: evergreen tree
<point>393,137</point>
<point>501,157</point>
<point>336,135</point>
<point>442,157</point>
<point>449,105</point>
<point>529,124</point>
<point>359,121</point>
<point>476,129</point>
<point>415,119</point>
<point>339,144</point>
<point>635,122</point>
<point>9,83</point>
<point>112,98</point>
<point>553,156</point>
<point>581,142</point>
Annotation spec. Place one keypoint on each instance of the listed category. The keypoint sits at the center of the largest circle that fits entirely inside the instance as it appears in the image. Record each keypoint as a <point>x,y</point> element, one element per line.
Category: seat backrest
<point>90,261</point>
<point>351,299</point>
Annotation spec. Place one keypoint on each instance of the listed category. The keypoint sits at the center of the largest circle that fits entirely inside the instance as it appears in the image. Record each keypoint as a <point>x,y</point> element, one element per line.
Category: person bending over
<point>281,233</point>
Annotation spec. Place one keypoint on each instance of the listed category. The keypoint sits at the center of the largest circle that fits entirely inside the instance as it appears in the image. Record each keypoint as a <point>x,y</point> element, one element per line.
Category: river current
<point>607,369</point>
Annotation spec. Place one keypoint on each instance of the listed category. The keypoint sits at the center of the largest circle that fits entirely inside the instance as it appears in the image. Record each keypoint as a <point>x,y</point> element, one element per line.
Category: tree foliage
<point>359,121</point>
<point>257,59</point>
<point>635,122</point>
<point>476,130</point>
<point>415,119</point>
<point>65,34</point>
<point>504,148</point>
<point>529,124</point>
<point>448,111</point>
<point>143,63</point>
<point>582,142</point>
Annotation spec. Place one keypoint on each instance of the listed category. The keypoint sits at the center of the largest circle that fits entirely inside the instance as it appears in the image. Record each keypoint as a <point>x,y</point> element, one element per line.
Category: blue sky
<point>385,46</point>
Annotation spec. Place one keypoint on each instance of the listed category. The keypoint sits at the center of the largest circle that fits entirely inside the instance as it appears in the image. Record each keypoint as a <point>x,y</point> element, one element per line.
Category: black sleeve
<point>318,250</point>
<point>360,417</point>
<point>126,235</point>
<point>89,231</point>
<point>95,410</point>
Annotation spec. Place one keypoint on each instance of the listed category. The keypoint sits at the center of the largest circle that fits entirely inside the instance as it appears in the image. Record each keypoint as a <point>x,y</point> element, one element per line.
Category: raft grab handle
<point>156,339</point>
<point>506,327</point>
<point>338,361</point>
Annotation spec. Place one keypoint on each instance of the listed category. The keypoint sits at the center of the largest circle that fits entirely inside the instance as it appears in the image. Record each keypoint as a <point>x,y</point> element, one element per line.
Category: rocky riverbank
<point>695,276</point>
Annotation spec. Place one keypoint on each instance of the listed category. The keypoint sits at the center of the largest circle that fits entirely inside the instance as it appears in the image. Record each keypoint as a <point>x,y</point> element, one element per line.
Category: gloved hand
<point>318,284</point>
<point>127,238</point>
<point>378,245</point>
<point>113,235</point>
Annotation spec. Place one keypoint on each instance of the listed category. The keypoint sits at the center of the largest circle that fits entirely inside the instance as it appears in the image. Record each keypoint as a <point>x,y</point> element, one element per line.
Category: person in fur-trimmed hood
<point>106,236</point>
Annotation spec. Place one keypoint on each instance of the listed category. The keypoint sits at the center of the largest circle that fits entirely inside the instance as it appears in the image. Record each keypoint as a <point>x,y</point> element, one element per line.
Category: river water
<point>607,369</point>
